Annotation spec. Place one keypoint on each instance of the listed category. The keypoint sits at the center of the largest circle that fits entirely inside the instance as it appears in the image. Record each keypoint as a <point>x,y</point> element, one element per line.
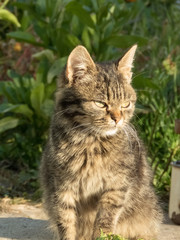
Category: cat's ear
<point>79,62</point>
<point>125,64</point>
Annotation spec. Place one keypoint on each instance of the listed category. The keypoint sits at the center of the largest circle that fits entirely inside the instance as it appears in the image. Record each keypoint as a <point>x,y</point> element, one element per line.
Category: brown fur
<point>94,171</point>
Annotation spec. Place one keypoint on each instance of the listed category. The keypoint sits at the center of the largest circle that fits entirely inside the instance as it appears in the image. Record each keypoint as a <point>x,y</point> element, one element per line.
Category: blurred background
<point>36,36</point>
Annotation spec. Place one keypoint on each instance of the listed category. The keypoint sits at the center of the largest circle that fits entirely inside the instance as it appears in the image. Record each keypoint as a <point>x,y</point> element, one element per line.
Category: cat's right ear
<point>79,62</point>
<point>125,64</point>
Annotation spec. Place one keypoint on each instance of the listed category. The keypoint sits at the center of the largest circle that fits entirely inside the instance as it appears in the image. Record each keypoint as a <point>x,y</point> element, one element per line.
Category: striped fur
<point>94,171</point>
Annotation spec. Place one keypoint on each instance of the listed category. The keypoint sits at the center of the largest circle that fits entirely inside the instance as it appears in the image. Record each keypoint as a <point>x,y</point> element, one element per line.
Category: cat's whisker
<point>80,126</point>
<point>140,120</point>
<point>138,74</point>
<point>131,130</point>
<point>60,113</point>
<point>130,125</point>
<point>126,133</point>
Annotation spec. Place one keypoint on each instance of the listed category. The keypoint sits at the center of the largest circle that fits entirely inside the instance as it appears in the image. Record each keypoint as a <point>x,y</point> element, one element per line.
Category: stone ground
<point>28,222</point>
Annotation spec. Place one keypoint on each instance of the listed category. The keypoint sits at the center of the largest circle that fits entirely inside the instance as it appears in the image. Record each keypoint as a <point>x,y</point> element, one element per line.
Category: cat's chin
<point>110,132</point>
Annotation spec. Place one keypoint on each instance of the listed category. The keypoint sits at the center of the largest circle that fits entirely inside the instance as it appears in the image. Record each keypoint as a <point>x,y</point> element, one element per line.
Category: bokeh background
<point>36,36</point>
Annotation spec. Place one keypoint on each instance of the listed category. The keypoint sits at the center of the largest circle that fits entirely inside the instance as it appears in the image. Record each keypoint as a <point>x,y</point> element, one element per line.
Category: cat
<point>94,171</point>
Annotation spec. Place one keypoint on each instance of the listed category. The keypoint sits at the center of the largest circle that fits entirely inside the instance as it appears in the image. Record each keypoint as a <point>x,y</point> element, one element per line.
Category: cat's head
<point>96,98</point>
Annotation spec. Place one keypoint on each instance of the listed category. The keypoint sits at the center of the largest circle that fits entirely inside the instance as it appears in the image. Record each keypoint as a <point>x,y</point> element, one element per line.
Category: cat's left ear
<point>125,64</point>
<point>78,64</point>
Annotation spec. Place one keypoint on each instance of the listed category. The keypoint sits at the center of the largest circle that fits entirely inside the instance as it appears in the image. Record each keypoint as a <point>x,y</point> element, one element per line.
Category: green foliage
<point>163,143</point>
<point>54,28</point>
<point>62,25</point>
<point>7,15</point>
<point>162,102</point>
<point>111,237</point>
<point>24,119</point>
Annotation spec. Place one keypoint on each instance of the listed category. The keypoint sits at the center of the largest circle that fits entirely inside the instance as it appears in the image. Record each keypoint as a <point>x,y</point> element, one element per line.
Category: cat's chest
<point>93,166</point>
<point>91,174</point>
<point>96,170</point>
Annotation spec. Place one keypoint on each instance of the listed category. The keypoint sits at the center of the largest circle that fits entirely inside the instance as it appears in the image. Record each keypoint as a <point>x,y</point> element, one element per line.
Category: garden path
<point>28,222</point>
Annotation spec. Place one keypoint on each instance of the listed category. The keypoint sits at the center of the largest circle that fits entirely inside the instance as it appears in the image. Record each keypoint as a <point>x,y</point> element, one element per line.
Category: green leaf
<point>7,107</point>
<point>86,38</point>
<point>56,69</point>
<point>50,89</point>
<point>8,123</point>
<point>142,82</point>
<point>21,5</point>
<point>73,40</point>
<point>16,108</point>
<point>3,5</point>
<point>76,8</point>
<point>46,53</point>
<point>8,91</point>
<point>8,16</point>
<point>42,70</point>
<point>47,107</point>
<point>24,37</point>
<point>24,110</point>
<point>37,96</point>
<point>126,41</point>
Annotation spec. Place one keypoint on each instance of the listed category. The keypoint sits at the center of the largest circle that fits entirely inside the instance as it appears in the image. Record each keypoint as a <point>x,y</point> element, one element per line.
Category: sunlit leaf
<point>44,53</point>
<point>8,16</point>
<point>8,123</point>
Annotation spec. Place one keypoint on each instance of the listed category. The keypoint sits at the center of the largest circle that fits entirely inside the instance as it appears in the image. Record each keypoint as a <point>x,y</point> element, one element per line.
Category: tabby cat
<point>94,171</point>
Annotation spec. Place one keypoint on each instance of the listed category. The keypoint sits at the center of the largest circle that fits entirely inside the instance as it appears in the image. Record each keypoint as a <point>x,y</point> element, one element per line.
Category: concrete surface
<point>28,222</point>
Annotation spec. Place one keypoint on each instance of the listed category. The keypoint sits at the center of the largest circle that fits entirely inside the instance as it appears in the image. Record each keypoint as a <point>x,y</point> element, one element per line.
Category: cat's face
<point>98,98</point>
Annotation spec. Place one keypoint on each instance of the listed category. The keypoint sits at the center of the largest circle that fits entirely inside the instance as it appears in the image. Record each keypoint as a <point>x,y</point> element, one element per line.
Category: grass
<point>111,236</point>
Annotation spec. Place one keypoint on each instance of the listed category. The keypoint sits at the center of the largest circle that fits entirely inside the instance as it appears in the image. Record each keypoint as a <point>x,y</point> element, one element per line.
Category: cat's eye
<point>100,104</point>
<point>125,104</point>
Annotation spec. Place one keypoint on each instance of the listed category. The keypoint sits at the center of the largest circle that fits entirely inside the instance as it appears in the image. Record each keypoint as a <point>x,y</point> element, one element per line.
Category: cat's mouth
<point>113,128</point>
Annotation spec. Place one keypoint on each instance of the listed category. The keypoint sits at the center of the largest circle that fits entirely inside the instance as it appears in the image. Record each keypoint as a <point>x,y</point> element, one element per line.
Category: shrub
<point>55,28</point>
<point>24,119</point>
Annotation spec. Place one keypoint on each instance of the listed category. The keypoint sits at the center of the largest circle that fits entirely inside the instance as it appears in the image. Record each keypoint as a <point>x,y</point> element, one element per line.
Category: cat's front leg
<point>66,217</point>
<point>109,210</point>
<point>66,225</point>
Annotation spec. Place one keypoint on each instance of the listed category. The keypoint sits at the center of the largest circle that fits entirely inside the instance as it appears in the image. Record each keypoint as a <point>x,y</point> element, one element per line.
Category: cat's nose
<point>116,116</point>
